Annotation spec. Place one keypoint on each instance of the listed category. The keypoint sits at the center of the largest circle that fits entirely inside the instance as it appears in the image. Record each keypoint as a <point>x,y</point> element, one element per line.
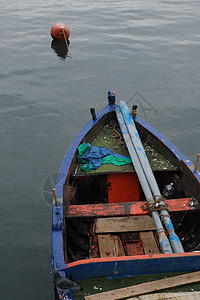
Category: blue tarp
<point>94,157</point>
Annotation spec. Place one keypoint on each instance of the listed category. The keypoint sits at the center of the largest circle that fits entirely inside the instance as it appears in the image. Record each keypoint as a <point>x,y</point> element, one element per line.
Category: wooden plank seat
<point>124,224</point>
<point>125,209</point>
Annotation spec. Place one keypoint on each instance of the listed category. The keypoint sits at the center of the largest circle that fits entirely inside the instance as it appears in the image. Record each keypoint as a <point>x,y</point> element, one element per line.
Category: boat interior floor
<point>105,218</point>
<point>108,138</point>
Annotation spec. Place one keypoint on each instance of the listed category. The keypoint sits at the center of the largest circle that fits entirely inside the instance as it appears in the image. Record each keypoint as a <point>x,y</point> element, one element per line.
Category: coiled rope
<point>78,72</point>
<point>154,205</point>
<point>117,134</point>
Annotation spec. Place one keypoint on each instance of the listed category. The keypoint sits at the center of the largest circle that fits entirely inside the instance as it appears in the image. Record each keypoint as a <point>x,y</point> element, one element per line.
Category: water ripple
<point>141,45</point>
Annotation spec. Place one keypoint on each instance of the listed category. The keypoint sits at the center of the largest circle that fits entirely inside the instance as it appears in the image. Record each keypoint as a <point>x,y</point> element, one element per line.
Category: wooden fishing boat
<point>104,222</point>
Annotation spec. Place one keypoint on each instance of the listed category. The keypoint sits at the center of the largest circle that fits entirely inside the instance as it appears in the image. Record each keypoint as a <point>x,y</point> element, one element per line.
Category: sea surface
<point>147,51</point>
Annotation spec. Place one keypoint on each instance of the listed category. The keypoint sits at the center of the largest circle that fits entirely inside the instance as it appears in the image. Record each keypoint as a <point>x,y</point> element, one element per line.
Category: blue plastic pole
<point>175,241</point>
<point>164,243</point>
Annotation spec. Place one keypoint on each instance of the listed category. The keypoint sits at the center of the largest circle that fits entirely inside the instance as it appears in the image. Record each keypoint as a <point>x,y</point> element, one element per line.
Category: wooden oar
<point>164,243</point>
<point>175,241</point>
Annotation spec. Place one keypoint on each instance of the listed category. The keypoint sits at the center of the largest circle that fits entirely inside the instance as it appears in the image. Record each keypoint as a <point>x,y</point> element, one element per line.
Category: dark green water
<point>145,47</point>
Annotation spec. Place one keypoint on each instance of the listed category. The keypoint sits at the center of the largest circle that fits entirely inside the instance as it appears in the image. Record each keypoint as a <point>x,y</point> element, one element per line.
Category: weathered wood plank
<point>147,287</point>
<point>149,243</point>
<point>125,224</point>
<point>171,296</point>
<point>124,209</point>
<point>110,245</point>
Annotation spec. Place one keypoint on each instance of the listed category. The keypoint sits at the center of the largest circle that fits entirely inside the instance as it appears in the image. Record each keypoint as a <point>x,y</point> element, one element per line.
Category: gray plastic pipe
<point>134,136</point>
<point>164,243</point>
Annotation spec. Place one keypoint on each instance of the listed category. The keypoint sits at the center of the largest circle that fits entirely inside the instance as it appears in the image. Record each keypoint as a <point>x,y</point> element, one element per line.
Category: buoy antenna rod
<point>66,42</point>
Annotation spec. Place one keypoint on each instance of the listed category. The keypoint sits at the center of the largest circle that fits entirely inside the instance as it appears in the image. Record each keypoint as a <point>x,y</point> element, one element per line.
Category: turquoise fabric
<point>94,157</point>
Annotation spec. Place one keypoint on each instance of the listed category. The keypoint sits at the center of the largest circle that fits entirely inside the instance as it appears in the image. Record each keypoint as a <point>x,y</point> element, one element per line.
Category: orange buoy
<point>57,31</point>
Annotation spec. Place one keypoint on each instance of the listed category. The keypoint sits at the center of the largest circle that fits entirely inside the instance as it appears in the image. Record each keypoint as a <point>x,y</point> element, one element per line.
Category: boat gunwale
<point>131,258</point>
<point>166,143</point>
<point>126,266</point>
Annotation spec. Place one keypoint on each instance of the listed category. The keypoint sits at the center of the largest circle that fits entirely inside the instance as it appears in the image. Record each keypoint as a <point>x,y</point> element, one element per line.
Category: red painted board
<point>124,209</point>
<point>123,187</point>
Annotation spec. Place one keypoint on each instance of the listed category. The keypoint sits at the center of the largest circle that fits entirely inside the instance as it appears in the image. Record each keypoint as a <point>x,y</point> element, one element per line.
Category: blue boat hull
<point>124,265</point>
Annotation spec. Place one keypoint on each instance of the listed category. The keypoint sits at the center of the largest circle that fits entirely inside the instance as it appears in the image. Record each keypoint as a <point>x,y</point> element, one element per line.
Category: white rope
<point>78,72</point>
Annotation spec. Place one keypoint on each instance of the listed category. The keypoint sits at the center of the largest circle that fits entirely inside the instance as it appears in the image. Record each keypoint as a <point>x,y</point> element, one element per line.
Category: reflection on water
<point>60,48</point>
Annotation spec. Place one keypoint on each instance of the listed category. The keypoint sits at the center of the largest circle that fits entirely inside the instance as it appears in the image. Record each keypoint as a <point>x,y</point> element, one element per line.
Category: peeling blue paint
<point>137,135</point>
